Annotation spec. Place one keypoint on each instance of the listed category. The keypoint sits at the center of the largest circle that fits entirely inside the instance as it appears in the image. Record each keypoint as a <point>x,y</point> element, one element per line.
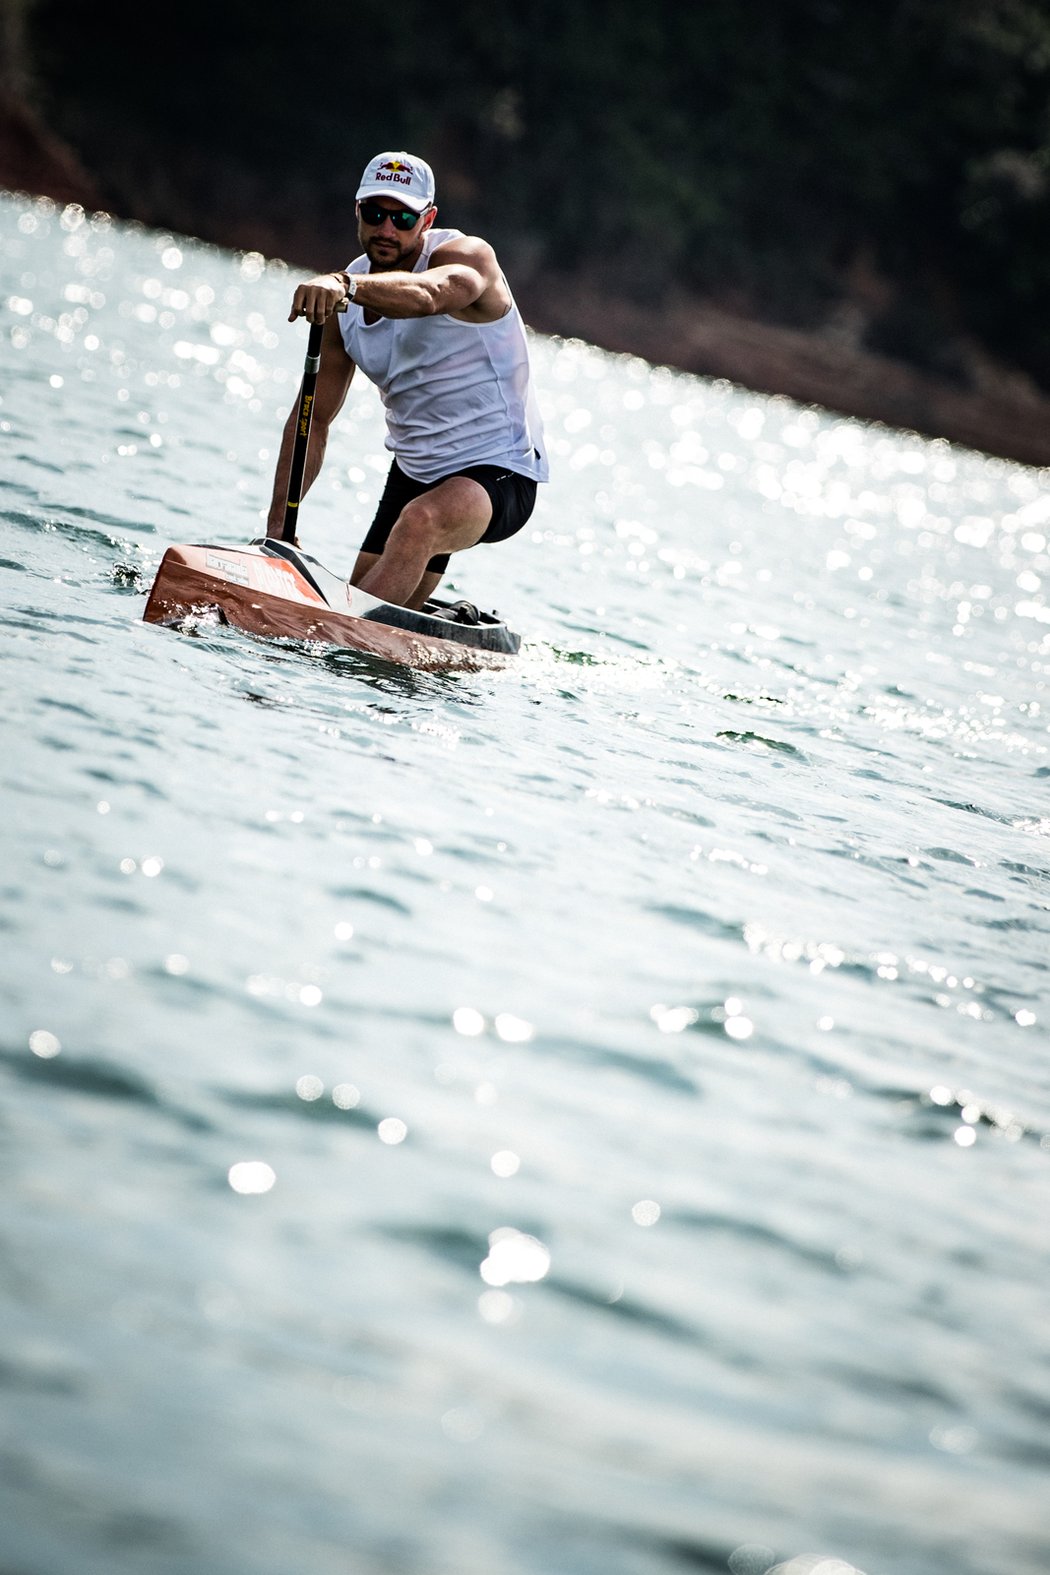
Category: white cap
<point>399,175</point>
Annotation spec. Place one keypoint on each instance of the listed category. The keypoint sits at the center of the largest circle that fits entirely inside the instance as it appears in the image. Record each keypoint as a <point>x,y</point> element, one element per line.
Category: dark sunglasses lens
<point>401,219</point>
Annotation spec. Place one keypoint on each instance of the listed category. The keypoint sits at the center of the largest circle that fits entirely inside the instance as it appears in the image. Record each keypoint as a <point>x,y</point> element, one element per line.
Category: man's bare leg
<point>448,518</point>
<point>423,591</point>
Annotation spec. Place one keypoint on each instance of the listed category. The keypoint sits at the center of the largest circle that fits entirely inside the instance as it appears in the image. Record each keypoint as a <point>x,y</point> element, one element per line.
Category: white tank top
<point>455,393</point>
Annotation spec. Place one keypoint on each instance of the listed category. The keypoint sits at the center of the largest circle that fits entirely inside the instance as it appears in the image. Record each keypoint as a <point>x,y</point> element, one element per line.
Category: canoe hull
<point>284,594</point>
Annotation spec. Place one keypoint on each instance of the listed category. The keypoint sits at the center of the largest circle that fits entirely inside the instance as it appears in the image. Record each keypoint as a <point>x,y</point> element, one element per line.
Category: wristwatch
<point>349,281</point>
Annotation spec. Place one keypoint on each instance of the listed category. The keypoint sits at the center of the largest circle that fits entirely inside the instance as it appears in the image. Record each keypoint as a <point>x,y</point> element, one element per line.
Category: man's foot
<point>463,612</point>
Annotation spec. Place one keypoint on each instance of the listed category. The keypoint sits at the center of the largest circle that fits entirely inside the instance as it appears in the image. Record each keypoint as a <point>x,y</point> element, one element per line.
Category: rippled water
<point>592,1119</point>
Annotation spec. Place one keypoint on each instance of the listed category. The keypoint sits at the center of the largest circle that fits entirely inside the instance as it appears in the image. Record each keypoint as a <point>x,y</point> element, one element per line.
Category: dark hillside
<point>845,203</point>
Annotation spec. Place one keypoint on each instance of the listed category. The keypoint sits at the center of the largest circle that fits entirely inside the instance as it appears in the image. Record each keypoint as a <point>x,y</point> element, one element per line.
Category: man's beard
<point>384,255</point>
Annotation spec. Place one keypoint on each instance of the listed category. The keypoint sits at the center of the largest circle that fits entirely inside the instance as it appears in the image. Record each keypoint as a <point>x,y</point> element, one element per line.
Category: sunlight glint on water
<point>588,1118</point>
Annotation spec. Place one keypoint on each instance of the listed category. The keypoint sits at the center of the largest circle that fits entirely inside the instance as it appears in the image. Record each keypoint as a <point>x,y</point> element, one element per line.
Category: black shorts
<point>513,498</point>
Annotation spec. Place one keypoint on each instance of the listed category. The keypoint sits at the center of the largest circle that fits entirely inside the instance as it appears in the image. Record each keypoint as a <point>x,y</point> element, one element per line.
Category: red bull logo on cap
<point>400,172</point>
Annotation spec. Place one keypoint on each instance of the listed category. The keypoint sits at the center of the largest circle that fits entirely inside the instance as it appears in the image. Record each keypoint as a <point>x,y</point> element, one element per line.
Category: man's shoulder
<point>492,298</point>
<point>455,242</point>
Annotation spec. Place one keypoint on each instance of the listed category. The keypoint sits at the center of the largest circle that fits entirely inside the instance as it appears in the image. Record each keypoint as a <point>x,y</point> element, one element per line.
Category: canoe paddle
<point>304,416</point>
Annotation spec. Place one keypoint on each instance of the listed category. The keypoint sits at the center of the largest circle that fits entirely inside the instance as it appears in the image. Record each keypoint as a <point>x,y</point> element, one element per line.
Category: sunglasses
<point>400,218</point>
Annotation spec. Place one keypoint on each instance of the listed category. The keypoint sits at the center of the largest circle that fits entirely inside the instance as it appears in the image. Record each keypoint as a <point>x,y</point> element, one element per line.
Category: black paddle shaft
<point>303,419</point>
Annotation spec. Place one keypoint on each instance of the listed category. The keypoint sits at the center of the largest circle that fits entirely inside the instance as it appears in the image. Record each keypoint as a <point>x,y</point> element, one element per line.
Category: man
<point>428,317</point>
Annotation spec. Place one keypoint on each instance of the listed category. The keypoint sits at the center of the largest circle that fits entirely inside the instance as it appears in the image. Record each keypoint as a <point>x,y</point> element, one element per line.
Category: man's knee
<point>418,526</point>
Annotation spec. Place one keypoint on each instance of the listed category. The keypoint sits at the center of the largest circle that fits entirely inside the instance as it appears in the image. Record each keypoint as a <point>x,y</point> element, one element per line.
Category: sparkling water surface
<point>588,1119</point>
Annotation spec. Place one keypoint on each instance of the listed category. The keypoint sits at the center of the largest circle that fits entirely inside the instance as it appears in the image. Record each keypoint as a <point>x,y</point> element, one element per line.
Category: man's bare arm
<point>464,280</point>
<point>333,382</point>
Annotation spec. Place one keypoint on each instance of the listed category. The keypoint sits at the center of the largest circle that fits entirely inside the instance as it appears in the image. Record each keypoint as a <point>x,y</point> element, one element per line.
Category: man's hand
<point>317,299</point>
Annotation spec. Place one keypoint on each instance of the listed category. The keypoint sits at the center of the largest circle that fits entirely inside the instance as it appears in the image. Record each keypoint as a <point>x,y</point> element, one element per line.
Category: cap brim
<point>417,204</point>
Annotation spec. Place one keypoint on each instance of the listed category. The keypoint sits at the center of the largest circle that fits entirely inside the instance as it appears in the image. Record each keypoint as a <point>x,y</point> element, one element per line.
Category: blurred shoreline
<point>1001,413</point>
